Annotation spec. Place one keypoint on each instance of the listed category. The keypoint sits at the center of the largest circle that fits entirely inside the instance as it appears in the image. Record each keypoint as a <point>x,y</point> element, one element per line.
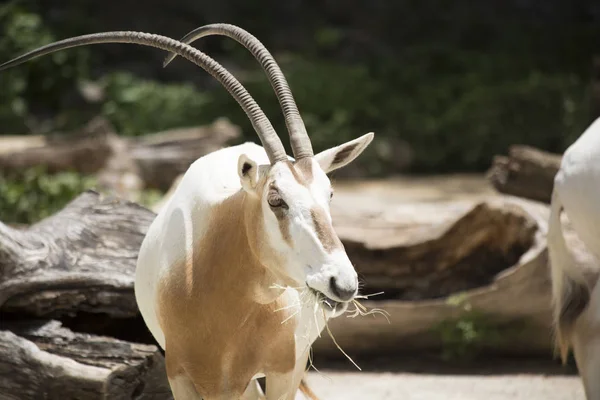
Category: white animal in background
<point>241,269</point>
<point>576,295</point>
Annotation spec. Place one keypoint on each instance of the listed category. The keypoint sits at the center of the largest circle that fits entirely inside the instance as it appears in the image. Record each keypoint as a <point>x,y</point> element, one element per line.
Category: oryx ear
<point>337,157</point>
<point>248,172</point>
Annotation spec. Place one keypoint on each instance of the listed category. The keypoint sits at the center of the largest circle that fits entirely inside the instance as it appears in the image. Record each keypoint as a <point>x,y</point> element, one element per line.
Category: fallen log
<point>42,359</point>
<point>85,150</point>
<point>79,266</point>
<point>439,255</point>
<point>459,276</point>
<point>155,160</point>
<point>80,259</point>
<point>526,172</point>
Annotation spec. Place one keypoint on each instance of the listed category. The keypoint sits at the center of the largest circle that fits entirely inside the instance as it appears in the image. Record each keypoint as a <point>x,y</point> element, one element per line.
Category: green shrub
<point>453,121</point>
<point>136,106</point>
<point>464,337</point>
<point>32,195</point>
<point>455,101</point>
<point>35,87</point>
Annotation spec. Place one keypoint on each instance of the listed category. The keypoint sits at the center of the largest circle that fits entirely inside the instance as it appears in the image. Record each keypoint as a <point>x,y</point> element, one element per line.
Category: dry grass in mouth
<point>306,298</point>
<point>361,310</point>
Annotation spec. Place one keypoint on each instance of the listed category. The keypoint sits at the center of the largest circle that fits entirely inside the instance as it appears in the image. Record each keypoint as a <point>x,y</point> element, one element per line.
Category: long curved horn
<point>260,122</point>
<point>301,145</point>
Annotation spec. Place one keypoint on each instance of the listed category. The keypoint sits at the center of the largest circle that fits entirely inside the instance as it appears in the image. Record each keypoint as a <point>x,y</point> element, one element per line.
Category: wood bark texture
<point>80,259</point>
<point>526,172</point>
<point>45,360</point>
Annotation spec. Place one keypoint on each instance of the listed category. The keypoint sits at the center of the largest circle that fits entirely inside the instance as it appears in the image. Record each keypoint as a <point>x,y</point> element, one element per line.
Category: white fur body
<point>577,191</point>
<point>281,224</point>
<point>578,185</point>
<point>182,222</point>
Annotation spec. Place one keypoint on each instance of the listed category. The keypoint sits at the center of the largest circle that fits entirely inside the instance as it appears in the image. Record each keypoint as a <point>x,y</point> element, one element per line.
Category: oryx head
<point>293,195</point>
<point>294,198</point>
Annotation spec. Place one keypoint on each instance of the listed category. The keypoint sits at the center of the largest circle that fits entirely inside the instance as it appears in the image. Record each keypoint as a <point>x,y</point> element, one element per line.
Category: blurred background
<point>454,82</point>
<point>445,86</point>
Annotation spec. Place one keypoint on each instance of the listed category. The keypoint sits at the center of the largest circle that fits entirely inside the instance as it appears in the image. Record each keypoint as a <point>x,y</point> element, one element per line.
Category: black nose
<point>344,293</point>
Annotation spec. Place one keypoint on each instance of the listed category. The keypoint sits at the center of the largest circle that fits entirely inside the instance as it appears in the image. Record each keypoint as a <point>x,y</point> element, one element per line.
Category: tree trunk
<point>447,266</point>
<point>45,360</point>
<point>526,172</point>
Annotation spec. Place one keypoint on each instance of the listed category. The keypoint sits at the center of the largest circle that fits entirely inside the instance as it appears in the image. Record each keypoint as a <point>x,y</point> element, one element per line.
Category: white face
<point>298,220</point>
<point>295,204</point>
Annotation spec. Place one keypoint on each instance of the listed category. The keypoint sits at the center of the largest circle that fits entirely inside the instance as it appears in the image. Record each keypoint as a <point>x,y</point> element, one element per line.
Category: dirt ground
<point>425,378</point>
<point>406,386</point>
<point>432,188</point>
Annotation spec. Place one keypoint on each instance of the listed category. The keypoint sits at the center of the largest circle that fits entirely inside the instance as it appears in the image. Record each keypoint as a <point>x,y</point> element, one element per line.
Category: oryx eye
<point>331,195</point>
<point>275,201</point>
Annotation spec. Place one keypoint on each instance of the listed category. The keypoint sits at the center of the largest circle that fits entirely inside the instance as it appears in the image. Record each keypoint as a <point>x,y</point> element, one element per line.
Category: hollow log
<point>455,275</point>
<point>434,259</point>
<point>42,359</point>
<point>526,172</point>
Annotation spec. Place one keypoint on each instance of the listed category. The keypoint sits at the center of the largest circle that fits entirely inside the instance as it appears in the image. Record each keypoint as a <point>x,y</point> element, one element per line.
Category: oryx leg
<point>285,386</point>
<point>253,391</point>
<point>183,388</point>
<point>587,355</point>
<point>182,385</point>
<point>586,346</point>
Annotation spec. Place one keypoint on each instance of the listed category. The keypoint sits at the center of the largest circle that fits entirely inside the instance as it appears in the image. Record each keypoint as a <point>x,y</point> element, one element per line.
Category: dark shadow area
<point>432,363</point>
<point>127,329</point>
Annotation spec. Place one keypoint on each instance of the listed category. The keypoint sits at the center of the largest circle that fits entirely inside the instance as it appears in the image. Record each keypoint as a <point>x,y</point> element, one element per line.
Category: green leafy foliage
<point>453,121</point>
<point>149,197</point>
<point>463,337</point>
<point>136,106</point>
<point>457,94</point>
<point>33,194</point>
<point>47,79</point>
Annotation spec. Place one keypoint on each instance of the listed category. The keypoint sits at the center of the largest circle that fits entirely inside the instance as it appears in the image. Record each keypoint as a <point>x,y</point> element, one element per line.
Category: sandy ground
<point>426,377</point>
<point>407,386</point>
<point>432,188</point>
